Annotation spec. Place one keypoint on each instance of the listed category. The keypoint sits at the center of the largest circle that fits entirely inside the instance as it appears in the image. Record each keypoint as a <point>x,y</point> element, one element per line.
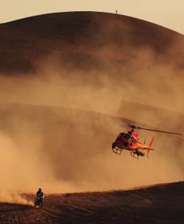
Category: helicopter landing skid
<point>117,150</point>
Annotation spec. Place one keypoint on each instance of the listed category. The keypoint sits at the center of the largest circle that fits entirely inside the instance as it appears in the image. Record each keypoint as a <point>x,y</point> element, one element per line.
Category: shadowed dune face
<point>155,204</point>
<point>81,62</point>
<point>86,42</point>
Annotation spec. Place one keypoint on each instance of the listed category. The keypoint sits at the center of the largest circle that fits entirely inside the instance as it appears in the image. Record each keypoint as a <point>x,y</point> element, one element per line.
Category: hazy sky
<point>167,13</point>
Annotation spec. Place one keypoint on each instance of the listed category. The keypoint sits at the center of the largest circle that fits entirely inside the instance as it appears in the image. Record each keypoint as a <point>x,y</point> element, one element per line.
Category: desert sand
<point>154,204</point>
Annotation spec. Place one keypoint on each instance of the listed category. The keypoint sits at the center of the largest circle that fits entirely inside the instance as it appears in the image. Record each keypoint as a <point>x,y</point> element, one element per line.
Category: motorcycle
<point>38,202</point>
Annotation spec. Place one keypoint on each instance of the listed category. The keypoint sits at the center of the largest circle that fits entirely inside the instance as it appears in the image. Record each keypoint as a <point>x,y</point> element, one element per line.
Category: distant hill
<point>85,41</point>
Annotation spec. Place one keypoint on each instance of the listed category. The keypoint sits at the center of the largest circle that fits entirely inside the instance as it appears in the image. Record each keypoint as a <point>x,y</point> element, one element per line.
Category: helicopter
<point>130,141</point>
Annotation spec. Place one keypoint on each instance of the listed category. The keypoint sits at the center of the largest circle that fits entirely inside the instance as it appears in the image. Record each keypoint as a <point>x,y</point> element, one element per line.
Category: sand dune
<point>67,81</point>
<point>155,204</point>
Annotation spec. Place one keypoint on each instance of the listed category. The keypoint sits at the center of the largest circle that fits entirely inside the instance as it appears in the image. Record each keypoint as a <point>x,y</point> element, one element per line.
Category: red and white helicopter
<point>130,141</point>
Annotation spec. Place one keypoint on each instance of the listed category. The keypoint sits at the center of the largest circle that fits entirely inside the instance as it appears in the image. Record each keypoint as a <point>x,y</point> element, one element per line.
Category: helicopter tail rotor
<point>149,148</point>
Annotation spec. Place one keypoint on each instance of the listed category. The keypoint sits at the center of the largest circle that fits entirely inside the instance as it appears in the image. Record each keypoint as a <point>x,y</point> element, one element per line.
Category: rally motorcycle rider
<point>39,198</point>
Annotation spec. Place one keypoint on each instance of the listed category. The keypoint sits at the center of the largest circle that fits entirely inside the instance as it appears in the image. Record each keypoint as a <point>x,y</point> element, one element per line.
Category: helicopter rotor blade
<point>155,130</point>
<point>149,129</point>
<point>131,126</point>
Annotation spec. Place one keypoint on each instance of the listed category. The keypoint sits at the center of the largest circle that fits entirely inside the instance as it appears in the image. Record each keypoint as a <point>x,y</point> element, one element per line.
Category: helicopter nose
<point>113,145</point>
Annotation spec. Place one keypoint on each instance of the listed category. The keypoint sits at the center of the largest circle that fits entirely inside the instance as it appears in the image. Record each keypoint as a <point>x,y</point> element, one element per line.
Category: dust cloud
<point>57,128</point>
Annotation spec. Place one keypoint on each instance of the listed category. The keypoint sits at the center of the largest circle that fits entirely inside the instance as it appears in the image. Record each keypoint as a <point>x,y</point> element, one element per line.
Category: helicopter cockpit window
<point>121,135</point>
<point>127,137</point>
